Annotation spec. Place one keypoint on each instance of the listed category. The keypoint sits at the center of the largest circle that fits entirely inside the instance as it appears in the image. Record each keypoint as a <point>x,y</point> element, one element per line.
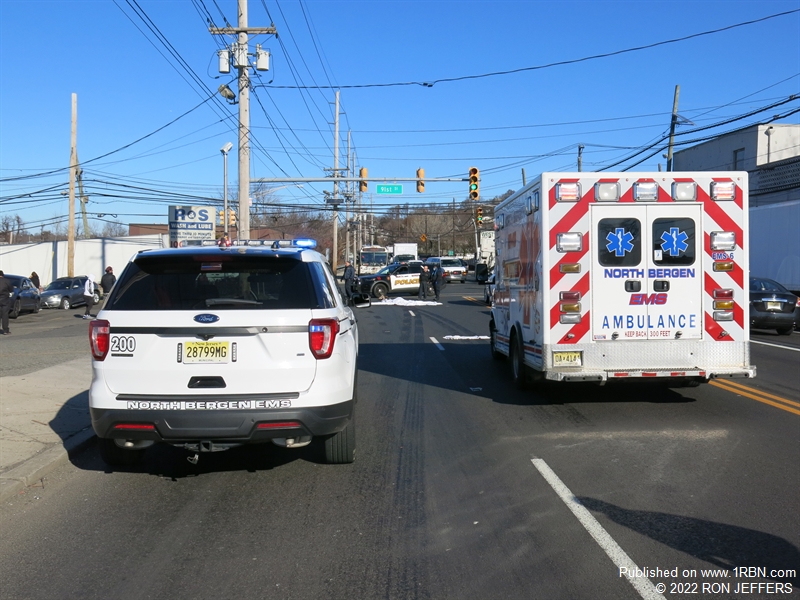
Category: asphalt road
<point>454,493</point>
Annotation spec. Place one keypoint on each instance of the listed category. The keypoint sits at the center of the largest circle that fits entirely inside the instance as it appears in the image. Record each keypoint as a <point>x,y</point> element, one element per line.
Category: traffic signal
<point>231,217</point>
<point>474,183</point>
<point>362,185</point>
<point>222,217</point>
<point>480,215</point>
<point>420,180</point>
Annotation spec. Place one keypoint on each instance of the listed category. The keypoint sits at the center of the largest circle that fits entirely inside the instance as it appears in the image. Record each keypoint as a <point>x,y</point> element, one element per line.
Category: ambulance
<point>620,276</point>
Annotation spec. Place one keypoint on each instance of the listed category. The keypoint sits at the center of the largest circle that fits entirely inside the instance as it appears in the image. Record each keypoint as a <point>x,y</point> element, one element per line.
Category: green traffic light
<point>473,187</point>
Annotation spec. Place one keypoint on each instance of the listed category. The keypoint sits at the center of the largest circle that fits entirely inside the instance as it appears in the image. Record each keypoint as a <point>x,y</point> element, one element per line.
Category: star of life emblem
<point>619,241</point>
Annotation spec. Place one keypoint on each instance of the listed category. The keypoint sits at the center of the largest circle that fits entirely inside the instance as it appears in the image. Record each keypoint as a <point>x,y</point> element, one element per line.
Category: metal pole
<point>225,193</point>
<point>334,258</point>
<point>672,125</point>
<point>580,157</point>
<point>346,207</point>
<point>244,131</point>
<point>73,173</point>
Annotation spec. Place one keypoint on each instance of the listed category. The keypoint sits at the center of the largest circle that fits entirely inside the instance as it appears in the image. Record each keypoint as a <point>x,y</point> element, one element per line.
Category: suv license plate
<point>774,305</point>
<point>567,359</point>
<point>206,352</point>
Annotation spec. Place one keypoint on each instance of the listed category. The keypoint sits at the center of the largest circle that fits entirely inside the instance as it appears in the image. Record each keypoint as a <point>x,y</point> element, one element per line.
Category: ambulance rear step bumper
<point>602,376</point>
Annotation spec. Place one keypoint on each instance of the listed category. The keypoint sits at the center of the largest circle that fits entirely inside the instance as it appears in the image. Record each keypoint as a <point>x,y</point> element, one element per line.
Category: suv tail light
<point>99,337</point>
<point>322,336</point>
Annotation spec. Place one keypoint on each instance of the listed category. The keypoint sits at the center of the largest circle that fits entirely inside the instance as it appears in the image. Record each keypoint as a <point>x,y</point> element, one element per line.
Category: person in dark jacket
<point>437,278</point>
<point>6,289</point>
<point>107,281</point>
<point>35,280</point>
<point>424,278</point>
<point>349,280</point>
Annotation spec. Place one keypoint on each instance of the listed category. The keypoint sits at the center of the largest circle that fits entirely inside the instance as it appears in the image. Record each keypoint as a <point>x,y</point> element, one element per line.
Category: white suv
<point>208,348</point>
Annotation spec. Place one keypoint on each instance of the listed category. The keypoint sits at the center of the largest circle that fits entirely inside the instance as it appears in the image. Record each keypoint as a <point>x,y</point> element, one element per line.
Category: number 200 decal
<point>123,343</point>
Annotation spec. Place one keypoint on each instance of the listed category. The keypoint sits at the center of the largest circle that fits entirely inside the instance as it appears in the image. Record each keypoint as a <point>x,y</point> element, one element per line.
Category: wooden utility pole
<point>73,175</point>
<point>672,125</point>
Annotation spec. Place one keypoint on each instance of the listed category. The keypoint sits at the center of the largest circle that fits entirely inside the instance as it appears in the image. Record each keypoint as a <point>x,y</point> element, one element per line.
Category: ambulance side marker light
<point>569,242</point>
<point>723,294</point>
<point>569,268</point>
<point>723,240</point>
<point>723,190</point>
<point>606,192</point>
<point>568,192</point>
<point>723,315</point>
<point>723,305</point>
<point>569,319</point>
<point>645,191</point>
<point>723,265</point>
<point>684,191</point>
<point>570,307</point>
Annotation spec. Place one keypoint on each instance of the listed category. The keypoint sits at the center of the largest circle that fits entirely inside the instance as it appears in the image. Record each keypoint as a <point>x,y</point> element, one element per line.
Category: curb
<point>34,469</point>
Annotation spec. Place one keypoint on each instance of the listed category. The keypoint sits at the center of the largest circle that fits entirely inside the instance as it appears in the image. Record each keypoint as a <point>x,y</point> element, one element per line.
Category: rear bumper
<point>762,320</point>
<point>239,426</point>
<point>651,374</point>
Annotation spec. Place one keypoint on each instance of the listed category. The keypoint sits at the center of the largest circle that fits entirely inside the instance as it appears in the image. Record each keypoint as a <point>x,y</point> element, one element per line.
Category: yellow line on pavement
<point>471,299</point>
<point>765,394</point>
<point>754,397</point>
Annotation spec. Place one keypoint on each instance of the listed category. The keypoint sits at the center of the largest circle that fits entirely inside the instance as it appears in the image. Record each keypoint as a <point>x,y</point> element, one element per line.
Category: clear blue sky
<point>138,65</point>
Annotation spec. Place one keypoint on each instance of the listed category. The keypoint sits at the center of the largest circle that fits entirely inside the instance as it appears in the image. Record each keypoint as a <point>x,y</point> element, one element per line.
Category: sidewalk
<point>44,416</point>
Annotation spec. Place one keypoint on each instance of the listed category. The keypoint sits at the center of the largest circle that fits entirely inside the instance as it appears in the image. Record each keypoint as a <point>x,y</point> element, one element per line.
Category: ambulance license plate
<point>567,359</point>
<point>774,306</point>
<point>206,352</point>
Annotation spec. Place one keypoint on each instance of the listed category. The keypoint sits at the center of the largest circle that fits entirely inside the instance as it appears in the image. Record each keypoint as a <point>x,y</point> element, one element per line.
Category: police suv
<point>208,348</point>
<point>394,278</point>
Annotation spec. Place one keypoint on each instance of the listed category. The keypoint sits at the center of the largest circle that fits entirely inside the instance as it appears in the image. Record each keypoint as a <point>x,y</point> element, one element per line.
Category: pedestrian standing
<point>437,278</point>
<point>107,281</point>
<point>6,290</point>
<point>35,280</point>
<point>224,241</point>
<point>349,280</point>
<point>424,277</point>
<point>88,295</point>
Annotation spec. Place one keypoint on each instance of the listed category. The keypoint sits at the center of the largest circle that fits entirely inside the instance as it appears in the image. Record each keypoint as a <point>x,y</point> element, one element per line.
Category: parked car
<point>66,292</point>
<point>772,306</point>
<point>453,269</point>
<point>488,289</point>
<point>25,297</point>
<point>207,348</point>
<point>395,278</point>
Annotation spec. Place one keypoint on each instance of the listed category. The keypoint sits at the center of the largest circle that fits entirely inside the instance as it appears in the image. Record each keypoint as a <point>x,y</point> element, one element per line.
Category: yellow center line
<point>471,299</point>
<point>759,392</point>
<point>754,397</point>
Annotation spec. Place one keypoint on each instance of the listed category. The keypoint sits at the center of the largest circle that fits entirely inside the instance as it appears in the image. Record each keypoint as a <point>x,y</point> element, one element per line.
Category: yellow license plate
<point>567,359</point>
<point>206,352</point>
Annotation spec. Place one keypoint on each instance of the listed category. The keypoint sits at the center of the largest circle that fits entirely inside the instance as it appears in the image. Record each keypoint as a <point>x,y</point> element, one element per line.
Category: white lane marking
<point>775,345</point>
<point>411,312</point>
<point>466,337</point>
<point>438,345</point>
<point>643,585</point>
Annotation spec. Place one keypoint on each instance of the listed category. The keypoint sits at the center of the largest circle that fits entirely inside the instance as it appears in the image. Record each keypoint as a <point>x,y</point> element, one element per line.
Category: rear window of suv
<point>225,282</point>
<point>451,262</point>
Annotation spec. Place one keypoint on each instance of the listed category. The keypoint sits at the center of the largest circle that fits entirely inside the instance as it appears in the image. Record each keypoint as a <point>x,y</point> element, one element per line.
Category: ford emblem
<point>206,318</point>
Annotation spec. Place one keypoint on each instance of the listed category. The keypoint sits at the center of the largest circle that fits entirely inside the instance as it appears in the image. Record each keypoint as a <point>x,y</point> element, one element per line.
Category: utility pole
<point>73,174</point>
<point>334,258</point>
<point>241,60</point>
<point>672,125</point>
<point>347,198</point>
<point>83,198</point>
<point>580,157</point>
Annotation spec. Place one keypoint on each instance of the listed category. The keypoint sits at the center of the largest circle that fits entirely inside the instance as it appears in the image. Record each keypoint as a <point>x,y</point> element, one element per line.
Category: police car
<point>394,278</point>
<point>208,348</point>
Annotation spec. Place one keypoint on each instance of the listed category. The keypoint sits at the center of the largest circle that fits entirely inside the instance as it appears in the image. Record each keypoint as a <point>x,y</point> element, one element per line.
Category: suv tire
<point>114,456</point>
<point>340,448</point>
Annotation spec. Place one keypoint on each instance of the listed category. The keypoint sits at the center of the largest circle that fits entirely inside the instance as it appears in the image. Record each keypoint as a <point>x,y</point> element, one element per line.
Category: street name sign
<point>389,188</point>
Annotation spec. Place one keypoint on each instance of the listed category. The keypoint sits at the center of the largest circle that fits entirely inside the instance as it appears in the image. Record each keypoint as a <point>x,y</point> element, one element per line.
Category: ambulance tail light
<point>568,192</point>
<point>723,265</point>
<point>569,242</point>
<point>645,191</point>
<point>569,296</point>
<point>570,307</point>
<point>322,336</point>
<point>570,319</point>
<point>723,190</point>
<point>99,338</point>
<point>684,191</point>
<point>723,315</point>
<point>723,240</point>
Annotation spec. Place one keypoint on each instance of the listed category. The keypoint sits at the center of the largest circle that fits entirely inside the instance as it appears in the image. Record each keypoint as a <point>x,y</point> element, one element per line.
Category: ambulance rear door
<point>646,276</point>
